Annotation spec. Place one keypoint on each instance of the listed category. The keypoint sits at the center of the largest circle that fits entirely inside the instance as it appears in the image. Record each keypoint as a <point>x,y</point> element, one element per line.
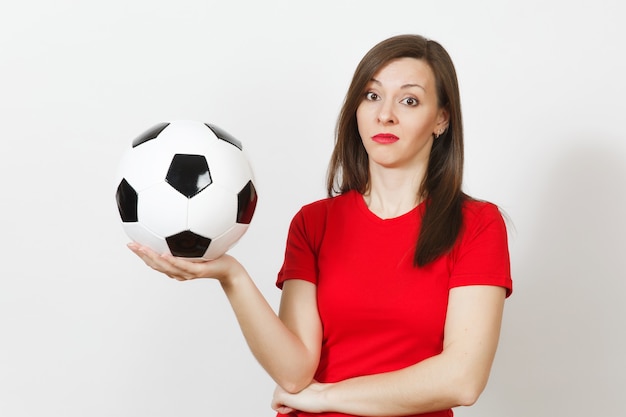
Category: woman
<point>393,287</point>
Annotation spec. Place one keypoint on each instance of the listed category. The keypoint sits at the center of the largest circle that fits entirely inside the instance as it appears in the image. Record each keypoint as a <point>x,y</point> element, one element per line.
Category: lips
<point>385,138</point>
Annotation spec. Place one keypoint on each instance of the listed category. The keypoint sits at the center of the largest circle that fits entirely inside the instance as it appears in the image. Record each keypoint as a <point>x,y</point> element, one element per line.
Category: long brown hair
<point>441,186</point>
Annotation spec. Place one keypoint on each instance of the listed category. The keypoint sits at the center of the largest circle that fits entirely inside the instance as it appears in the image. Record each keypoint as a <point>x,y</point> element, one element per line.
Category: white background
<point>87,330</point>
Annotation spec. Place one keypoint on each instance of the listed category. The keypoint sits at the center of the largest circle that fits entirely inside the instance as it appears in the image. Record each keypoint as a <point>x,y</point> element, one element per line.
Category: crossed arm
<point>455,377</point>
<point>288,345</point>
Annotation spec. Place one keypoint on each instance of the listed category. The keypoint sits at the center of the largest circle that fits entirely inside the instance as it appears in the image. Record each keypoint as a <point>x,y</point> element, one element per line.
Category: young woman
<point>393,287</point>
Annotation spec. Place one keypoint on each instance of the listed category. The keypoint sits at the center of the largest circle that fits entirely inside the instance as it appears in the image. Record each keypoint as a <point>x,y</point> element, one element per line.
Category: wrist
<point>233,273</point>
<point>324,396</point>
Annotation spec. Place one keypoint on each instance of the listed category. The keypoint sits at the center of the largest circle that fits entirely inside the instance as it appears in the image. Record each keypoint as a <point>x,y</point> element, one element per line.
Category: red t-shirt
<point>379,312</point>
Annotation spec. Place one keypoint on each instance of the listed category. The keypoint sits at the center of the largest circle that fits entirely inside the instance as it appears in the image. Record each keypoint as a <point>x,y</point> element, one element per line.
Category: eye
<point>410,101</point>
<point>371,96</point>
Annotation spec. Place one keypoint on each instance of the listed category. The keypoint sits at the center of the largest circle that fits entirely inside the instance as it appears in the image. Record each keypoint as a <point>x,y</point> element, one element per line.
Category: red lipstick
<point>385,138</point>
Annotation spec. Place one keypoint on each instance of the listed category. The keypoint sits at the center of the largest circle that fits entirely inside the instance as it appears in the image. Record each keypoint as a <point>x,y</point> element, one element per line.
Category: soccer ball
<point>186,188</point>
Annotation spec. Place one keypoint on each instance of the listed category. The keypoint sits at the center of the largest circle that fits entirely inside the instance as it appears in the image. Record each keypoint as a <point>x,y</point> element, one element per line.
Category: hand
<point>182,269</point>
<point>277,405</point>
<point>311,399</point>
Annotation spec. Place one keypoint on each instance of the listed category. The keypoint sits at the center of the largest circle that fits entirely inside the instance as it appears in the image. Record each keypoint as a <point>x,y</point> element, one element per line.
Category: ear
<point>443,119</point>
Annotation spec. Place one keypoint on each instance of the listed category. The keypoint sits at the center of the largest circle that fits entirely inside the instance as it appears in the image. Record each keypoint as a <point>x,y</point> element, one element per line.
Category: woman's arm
<point>455,377</point>
<point>288,347</point>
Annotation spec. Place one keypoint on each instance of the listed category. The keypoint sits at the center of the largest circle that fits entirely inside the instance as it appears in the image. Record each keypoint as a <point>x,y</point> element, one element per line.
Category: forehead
<point>403,71</point>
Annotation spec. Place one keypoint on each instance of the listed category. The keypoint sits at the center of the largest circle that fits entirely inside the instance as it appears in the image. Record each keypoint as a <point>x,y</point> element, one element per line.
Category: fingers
<point>169,265</point>
<point>223,268</point>
<point>278,401</point>
<point>281,408</point>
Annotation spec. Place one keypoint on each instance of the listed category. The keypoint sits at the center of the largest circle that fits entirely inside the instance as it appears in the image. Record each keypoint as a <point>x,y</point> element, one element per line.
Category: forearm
<point>437,383</point>
<point>456,376</point>
<point>279,351</point>
<point>290,357</point>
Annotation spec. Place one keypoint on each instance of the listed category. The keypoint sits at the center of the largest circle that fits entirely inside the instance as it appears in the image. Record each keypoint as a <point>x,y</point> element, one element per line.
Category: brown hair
<point>441,186</point>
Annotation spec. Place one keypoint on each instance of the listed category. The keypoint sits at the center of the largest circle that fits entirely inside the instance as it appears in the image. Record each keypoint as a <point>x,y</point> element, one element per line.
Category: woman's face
<point>399,114</point>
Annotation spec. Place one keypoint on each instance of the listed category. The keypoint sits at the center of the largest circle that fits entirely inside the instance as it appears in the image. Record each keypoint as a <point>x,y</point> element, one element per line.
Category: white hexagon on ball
<point>212,212</point>
<point>163,210</point>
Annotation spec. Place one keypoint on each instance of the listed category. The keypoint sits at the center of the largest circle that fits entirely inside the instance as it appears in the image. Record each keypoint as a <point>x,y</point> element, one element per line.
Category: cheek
<point>359,113</point>
<point>360,120</point>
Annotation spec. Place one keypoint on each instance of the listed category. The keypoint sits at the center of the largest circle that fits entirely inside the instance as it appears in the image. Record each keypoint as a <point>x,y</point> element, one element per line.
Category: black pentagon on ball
<point>150,134</point>
<point>126,197</point>
<point>188,244</point>
<point>225,136</point>
<point>246,203</point>
<point>189,174</point>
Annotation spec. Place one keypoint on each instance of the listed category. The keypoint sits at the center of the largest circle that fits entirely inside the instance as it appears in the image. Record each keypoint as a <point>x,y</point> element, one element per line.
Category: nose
<point>386,114</point>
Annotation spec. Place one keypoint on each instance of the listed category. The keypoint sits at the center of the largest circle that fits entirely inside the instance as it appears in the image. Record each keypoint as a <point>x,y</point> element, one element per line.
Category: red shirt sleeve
<point>303,242</point>
<point>481,256</point>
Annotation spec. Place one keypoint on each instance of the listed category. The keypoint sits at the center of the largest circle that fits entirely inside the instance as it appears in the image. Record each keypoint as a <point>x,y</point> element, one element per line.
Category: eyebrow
<point>374,80</point>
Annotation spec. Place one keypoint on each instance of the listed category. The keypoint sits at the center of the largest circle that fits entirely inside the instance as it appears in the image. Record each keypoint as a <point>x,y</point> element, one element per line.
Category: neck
<point>393,192</point>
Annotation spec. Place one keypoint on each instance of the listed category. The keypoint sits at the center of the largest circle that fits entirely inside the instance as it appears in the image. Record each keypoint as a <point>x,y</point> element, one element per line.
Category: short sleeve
<point>303,241</point>
<point>481,256</point>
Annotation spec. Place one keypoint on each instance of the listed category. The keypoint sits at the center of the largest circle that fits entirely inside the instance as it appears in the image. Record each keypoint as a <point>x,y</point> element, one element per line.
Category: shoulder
<point>481,254</point>
<point>323,206</point>
<point>310,221</point>
<point>477,211</point>
<point>482,220</point>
